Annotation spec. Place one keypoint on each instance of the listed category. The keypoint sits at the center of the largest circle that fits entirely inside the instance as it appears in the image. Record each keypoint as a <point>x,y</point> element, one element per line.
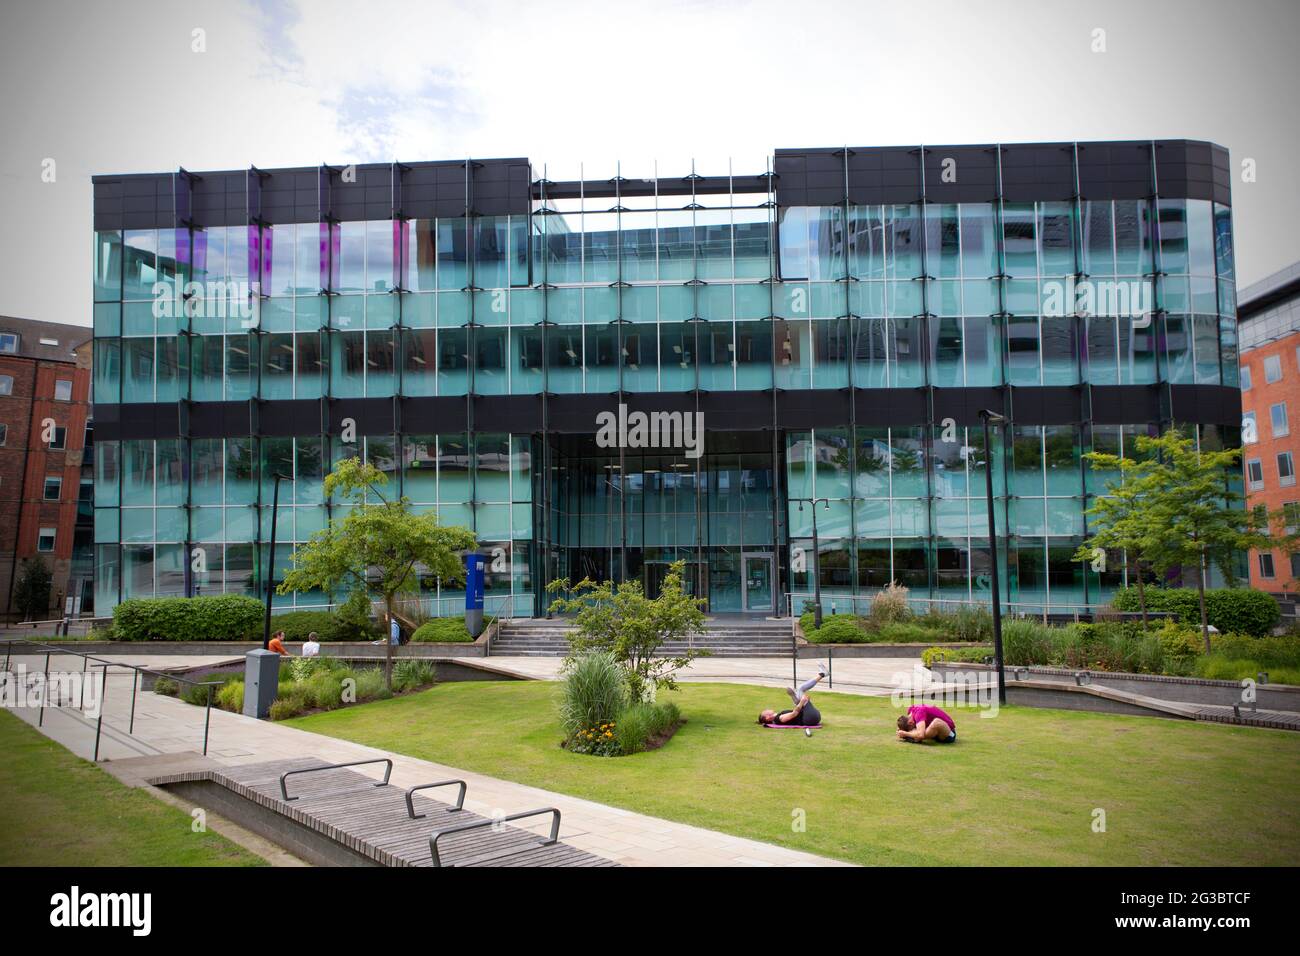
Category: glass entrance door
<point>758,582</point>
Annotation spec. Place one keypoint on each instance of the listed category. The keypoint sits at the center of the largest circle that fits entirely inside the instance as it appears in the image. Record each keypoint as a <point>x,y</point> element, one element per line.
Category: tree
<point>621,621</point>
<point>1118,518</point>
<point>378,543</point>
<point>32,589</point>
<point>1177,508</point>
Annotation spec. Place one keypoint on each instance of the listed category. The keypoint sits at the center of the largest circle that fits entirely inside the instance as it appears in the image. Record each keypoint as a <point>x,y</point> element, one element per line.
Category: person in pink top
<point>923,722</point>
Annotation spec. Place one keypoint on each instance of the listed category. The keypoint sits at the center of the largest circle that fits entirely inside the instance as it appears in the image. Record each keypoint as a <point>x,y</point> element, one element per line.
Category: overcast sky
<point>117,87</point>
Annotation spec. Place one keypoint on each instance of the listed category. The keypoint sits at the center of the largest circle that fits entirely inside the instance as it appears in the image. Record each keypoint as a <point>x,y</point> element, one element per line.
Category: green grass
<point>1017,789</point>
<point>59,810</point>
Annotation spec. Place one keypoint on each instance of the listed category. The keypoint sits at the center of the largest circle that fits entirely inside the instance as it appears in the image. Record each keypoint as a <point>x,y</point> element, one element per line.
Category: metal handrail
<point>460,797</point>
<point>106,664</point>
<point>284,791</point>
<point>480,824</point>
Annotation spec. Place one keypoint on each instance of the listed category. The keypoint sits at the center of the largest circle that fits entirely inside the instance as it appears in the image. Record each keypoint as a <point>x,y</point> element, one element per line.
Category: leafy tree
<point>621,621</point>
<point>379,543</point>
<point>1118,518</point>
<point>1176,508</point>
<point>32,589</point>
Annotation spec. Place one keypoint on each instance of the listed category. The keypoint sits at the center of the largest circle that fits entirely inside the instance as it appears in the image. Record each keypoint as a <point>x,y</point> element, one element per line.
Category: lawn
<point>59,810</point>
<point>1016,789</point>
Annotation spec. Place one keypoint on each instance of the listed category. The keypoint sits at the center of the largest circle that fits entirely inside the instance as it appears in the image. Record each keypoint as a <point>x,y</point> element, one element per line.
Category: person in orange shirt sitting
<point>277,644</point>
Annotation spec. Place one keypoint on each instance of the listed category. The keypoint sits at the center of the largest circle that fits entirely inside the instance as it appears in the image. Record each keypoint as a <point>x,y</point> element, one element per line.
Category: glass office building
<point>834,324</point>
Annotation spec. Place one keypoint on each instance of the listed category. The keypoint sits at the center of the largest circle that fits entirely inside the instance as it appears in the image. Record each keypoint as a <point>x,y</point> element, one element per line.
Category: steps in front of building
<point>727,638</point>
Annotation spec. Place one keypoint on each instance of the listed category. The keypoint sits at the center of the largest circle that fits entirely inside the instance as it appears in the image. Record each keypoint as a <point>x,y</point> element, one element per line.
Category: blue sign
<point>475,565</point>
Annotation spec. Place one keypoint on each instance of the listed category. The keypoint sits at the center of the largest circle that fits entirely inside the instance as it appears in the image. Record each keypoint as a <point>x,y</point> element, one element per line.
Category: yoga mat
<point>795,726</point>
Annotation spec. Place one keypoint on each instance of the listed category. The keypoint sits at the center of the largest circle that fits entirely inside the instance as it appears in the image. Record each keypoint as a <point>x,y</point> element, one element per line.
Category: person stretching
<point>923,722</point>
<point>805,712</point>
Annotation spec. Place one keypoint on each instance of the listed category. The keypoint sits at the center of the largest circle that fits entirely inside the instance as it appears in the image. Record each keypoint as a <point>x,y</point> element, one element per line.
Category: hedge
<point>1231,610</point>
<point>442,630</point>
<point>226,617</point>
<point>328,627</point>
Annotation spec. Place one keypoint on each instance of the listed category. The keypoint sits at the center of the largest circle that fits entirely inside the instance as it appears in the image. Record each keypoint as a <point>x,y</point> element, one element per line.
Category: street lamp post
<point>817,559</point>
<point>990,416</point>
<point>270,572</point>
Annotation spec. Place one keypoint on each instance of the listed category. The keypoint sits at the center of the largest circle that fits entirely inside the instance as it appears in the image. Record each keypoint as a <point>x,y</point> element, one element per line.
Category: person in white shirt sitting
<point>311,647</point>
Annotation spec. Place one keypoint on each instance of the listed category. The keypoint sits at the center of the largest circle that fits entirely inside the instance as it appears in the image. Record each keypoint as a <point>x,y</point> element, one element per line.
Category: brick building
<point>46,479</point>
<point>1269,317</point>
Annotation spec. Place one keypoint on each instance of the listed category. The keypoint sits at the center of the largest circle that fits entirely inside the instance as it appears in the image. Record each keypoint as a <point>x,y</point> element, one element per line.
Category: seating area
<point>335,814</point>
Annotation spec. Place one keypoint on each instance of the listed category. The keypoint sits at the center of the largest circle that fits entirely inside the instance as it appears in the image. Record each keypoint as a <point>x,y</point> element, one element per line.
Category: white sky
<point>115,87</point>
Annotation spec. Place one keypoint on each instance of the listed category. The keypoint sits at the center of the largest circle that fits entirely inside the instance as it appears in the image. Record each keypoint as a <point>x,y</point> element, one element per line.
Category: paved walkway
<point>166,726</point>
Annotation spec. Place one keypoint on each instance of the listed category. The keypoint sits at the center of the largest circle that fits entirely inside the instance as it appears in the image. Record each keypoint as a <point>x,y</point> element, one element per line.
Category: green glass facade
<point>472,353</point>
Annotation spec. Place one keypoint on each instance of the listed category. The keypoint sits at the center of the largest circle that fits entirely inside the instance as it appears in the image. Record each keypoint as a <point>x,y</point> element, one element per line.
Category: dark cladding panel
<point>887,175</point>
<point>1114,170</point>
<point>576,414</point>
<point>219,419</point>
<point>961,174</point>
<point>445,414</point>
<point>1125,404</point>
<point>877,407</point>
<point>373,416</point>
<point>501,187</point>
<point>1038,172</point>
<point>1047,405</point>
<point>1187,170</point>
<point>736,411</point>
<point>814,408</point>
<point>286,418</point>
<point>963,405</point>
<point>517,414</point>
<point>1205,404</point>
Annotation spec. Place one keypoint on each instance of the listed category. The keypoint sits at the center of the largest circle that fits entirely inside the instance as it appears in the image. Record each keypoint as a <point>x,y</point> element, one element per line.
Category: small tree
<point>621,621</point>
<point>1183,512</point>
<point>379,542</point>
<point>1118,517</point>
<point>32,589</point>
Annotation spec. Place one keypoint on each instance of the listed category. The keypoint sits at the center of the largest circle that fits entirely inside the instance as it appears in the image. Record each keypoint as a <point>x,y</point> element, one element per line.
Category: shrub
<point>1179,642</point>
<point>958,655</point>
<point>325,689</point>
<point>906,633</point>
<point>371,686</point>
<point>197,693</point>
<point>227,617</point>
<point>840,629</point>
<point>231,696</point>
<point>408,675</point>
<point>354,615</point>
<point>1271,652</point>
<point>442,629</point>
<point>963,624</point>
<point>283,708</point>
<point>593,693</point>
<point>1027,642</point>
<point>890,605</point>
<point>166,687</point>
<point>1230,610</point>
<point>633,728</point>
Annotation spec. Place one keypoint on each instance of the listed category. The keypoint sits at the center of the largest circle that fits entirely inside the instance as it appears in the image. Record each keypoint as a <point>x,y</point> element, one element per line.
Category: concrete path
<point>165,725</point>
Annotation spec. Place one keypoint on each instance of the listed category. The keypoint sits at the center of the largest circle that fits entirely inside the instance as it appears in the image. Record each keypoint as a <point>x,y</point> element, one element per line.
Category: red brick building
<point>1268,314</point>
<point>46,477</point>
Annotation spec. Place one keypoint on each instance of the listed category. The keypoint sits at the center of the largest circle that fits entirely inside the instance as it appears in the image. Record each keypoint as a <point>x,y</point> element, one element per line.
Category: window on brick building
<point>1255,474</point>
<point>8,342</point>
<point>1277,416</point>
<point>53,488</point>
<point>45,539</point>
<point>1273,368</point>
<point>4,434</point>
<point>1249,432</point>
<point>60,438</point>
<point>1266,565</point>
<point>1245,378</point>
<point>6,384</point>
<point>63,390</point>
<point>1291,511</point>
<point>1285,469</point>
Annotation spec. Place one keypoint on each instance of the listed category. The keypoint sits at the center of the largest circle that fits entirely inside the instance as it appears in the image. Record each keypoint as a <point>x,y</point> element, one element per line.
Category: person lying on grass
<point>923,722</point>
<point>805,713</point>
